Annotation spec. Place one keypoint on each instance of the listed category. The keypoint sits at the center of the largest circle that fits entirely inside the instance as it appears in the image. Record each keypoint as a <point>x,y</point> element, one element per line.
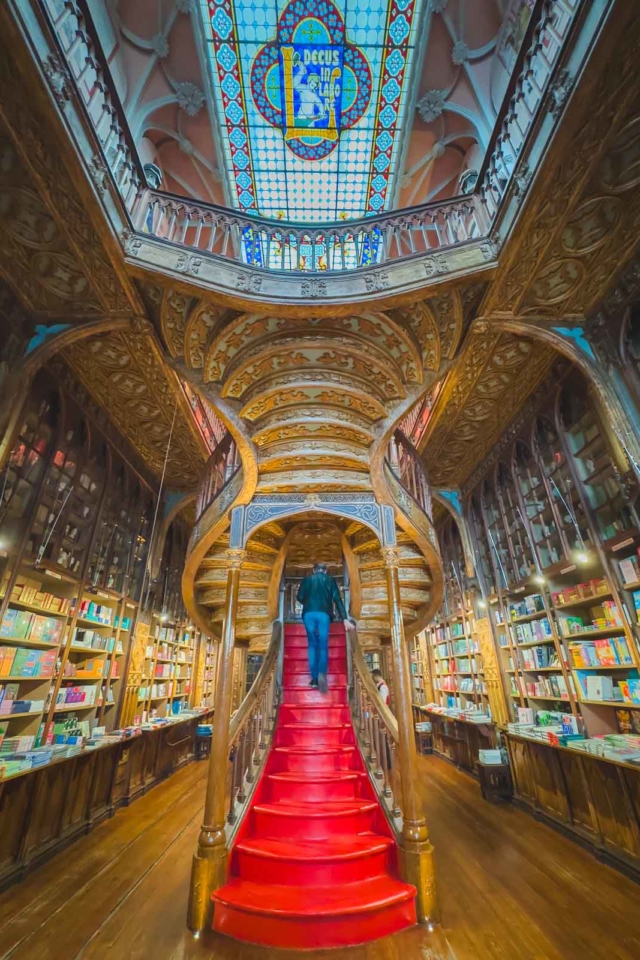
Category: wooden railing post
<point>416,850</point>
<point>209,870</point>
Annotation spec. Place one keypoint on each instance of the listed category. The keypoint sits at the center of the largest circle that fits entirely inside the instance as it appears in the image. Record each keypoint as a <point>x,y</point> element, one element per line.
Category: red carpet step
<point>314,864</point>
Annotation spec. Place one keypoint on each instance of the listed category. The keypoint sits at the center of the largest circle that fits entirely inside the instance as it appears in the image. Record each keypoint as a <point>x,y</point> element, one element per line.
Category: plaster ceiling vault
<point>422,82</point>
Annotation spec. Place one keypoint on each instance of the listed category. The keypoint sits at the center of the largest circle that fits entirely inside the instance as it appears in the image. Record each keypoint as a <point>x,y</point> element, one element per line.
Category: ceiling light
<point>581,556</point>
<point>539,579</point>
<point>482,604</point>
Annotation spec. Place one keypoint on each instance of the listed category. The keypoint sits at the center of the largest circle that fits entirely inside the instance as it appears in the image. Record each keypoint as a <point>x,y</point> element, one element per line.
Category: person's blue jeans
<point>317,627</point>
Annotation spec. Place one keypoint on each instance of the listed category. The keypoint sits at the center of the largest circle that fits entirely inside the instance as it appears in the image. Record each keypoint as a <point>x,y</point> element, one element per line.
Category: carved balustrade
<point>245,741</point>
<point>407,466</point>
<point>262,244</point>
<point>548,31</point>
<point>81,51</point>
<point>222,466</point>
<point>377,732</point>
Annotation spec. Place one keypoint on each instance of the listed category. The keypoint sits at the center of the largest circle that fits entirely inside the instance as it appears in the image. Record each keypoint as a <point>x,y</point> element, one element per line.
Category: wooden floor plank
<point>511,889</point>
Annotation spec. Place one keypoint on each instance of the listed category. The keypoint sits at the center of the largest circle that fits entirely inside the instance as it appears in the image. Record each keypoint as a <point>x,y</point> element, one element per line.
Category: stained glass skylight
<point>311,97</point>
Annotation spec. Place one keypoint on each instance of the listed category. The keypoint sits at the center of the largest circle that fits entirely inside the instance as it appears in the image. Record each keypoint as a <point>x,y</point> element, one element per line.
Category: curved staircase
<point>314,864</point>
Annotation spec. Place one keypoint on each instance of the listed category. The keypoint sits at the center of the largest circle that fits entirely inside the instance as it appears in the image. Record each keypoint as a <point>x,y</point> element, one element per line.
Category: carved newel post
<point>416,850</point>
<point>209,870</point>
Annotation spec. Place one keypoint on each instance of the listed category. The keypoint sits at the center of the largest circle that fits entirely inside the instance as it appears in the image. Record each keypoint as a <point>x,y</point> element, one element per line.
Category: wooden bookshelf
<point>456,670</point>
<point>75,524</point>
<point>556,538</point>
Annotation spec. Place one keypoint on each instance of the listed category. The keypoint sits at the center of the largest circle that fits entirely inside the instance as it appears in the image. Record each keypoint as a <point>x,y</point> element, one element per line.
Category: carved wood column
<point>416,850</point>
<point>209,870</point>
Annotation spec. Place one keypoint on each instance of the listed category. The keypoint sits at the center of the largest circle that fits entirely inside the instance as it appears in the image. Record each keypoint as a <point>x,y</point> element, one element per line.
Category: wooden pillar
<point>209,870</point>
<point>416,850</point>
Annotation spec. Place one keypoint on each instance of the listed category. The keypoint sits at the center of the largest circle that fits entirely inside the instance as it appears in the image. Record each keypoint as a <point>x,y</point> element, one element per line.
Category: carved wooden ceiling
<point>53,260</point>
<point>581,226</point>
<point>125,373</point>
<point>311,396</point>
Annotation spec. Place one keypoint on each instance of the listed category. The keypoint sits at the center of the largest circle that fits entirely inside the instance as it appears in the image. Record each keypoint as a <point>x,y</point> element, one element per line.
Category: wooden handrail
<point>360,665</point>
<point>408,468</point>
<point>257,687</point>
<point>250,732</point>
<point>220,469</point>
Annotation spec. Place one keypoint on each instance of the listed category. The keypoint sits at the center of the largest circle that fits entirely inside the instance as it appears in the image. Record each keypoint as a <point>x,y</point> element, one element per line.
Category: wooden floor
<point>511,889</point>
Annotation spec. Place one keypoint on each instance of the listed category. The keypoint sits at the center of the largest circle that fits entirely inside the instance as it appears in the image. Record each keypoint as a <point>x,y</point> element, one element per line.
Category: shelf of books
<point>75,522</point>
<point>456,665</point>
<point>557,543</point>
<point>166,687</point>
<point>421,670</point>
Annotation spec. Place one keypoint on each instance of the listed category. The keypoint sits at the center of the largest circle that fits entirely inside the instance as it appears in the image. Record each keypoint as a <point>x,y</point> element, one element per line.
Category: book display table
<point>47,807</point>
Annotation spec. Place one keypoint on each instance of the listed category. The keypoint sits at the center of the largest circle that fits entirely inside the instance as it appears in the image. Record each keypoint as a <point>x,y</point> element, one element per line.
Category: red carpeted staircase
<point>314,863</point>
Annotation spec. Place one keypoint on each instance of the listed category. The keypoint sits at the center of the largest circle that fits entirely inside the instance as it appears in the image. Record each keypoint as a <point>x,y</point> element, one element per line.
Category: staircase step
<point>336,664</point>
<point>311,788</point>
<point>310,761</point>
<point>313,918</point>
<point>308,735</point>
<point>314,713</point>
<point>313,863</point>
<point>294,680</point>
<point>317,821</point>
<point>310,696</point>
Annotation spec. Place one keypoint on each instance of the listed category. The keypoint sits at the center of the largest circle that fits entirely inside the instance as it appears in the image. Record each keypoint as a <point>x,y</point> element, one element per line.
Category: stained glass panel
<point>311,101</point>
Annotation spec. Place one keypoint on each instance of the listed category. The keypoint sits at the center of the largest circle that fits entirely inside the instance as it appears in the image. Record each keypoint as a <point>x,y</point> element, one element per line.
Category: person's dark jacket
<point>318,593</point>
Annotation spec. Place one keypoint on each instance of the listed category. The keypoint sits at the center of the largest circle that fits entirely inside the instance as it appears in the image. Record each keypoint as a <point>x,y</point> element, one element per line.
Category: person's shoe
<point>322,682</point>
<point>313,683</point>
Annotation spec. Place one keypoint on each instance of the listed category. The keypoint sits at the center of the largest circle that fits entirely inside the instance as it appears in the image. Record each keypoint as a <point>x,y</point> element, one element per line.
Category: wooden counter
<point>458,740</point>
<point>595,800</point>
<point>44,809</point>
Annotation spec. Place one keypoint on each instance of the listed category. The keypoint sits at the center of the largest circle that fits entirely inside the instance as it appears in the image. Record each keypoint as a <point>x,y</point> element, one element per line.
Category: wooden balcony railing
<point>406,464</point>
<point>221,468</point>
<point>292,247</point>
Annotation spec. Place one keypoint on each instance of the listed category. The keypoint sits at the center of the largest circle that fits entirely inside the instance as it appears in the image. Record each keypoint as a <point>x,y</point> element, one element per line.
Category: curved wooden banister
<point>406,463</point>
<point>378,735</point>
<point>363,672</point>
<point>250,732</point>
<point>221,468</point>
<point>266,671</point>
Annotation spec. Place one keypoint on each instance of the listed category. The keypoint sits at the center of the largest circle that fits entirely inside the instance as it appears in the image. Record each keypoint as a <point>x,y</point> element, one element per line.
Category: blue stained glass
<point>391,91</point>
<point>234,112</point>
<point>319,142</point>
<point>237,138</point>
<point>226,57</point>
<point>230,86</point>
<point>395,63</point>
<point>399,29</point>
<point>241,160</point>
<point>221,23</point>
<point>388,116</point>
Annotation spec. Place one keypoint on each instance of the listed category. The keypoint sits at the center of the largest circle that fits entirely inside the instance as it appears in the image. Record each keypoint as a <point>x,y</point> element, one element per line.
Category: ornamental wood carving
<point>126,376</point>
